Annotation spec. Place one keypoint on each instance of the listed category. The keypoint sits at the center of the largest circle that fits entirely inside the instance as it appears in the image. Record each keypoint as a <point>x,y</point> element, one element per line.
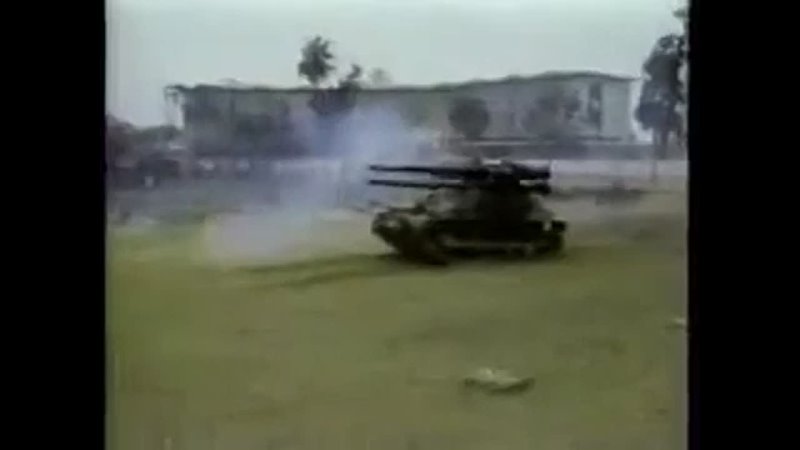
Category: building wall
<point>617,113</point>
<point>509,105</point>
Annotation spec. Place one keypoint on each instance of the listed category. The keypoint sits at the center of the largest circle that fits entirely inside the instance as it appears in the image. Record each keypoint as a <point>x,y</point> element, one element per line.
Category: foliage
<point>333,101</point>
<point>122,137</point>
<point>117,140</point>
<point>682,14</point>
<point>316,66</point>
<point>154,135</point>
<point>469,116</point>
<point>316,61</point>
<point>663,91</point>
<point>379,77</point>
<point>353,78</point>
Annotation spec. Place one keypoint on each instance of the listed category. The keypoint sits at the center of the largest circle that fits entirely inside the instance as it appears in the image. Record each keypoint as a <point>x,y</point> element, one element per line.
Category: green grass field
<point>354,350</point>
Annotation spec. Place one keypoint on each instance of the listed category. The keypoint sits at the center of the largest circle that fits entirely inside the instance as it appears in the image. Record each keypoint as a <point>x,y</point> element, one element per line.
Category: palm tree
<point>315,64</point>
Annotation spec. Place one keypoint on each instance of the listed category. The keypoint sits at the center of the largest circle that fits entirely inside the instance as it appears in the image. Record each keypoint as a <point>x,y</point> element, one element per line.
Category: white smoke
<point>370,134</point>
<point>334,178</point>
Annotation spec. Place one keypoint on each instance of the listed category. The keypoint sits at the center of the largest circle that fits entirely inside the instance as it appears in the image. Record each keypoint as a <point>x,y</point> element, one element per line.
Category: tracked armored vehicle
<point>472,210</point>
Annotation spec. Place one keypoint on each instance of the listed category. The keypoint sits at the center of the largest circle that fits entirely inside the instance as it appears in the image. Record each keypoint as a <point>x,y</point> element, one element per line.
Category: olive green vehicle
<point>472,210</point>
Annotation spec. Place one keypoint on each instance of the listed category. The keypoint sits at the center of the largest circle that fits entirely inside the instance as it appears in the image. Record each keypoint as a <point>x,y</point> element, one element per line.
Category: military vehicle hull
<point>418,236</point>
<point>476,208</point>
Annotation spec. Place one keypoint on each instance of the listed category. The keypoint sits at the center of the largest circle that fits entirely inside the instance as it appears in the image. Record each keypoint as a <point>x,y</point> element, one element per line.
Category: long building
<point>600,111</point>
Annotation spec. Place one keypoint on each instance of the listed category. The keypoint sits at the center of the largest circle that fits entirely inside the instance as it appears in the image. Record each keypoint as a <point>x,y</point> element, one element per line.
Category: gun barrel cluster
<point>502,176</point>
<point>512,170</point>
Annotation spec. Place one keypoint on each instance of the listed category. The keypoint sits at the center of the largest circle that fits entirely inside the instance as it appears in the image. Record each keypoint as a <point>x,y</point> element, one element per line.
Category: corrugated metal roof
<point>550,75</point>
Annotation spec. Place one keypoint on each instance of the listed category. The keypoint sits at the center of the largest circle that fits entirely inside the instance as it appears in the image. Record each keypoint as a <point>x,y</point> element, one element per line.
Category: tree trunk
<point>663,144</point>
<point>654,156</point>
<point>680,137</point>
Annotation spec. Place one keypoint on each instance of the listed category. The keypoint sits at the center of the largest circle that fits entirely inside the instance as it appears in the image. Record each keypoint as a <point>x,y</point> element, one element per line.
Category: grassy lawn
<point>357,350</point>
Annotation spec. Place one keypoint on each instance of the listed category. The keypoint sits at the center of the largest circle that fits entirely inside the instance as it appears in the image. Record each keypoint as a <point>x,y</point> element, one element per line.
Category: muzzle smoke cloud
<point>336,178</point>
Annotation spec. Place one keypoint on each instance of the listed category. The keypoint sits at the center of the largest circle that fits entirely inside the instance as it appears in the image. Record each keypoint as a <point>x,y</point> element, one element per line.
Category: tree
<point>154,136</point>
<point>379,77</point>
<point>119,141</point>
<point>663,92</point>
<point>353,78</point>
<point>682,14</point>
<point>469,116</point>
<point>316,67</point>
<point>316,61</point>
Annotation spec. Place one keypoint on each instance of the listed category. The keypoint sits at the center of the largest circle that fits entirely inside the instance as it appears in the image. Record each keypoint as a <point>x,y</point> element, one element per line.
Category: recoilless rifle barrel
<point>503,170</point>
<point>541,188</point>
